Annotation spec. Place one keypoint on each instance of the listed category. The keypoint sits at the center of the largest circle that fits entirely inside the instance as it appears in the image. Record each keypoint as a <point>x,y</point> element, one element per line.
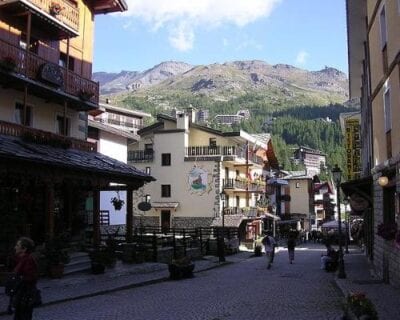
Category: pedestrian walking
<point>269,244</point>
<point>26,294</point>
<point>291,245</point>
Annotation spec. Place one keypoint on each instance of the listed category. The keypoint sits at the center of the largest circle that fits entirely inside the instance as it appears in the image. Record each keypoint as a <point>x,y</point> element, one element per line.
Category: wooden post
<point>129,214</point>
<point>96,218</point>
<point>49,210</point>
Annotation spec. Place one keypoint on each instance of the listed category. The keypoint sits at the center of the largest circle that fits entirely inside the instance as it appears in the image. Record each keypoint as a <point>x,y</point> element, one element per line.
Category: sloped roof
<point>15,149</point>
<point>231,221</point>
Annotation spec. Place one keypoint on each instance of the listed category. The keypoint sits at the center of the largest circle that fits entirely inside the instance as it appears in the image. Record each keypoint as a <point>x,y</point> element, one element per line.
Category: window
<point>147,198</point>
<point>213,142</point>
<point>382,22</point>
<point>148,170</point>
<point>166,159</point>
<point>387,110</point>
<point>62,127</point>
<point>297,184</point>
<point>148,148</point>
<point>62,62</point>
<point>19,114</point>
<point>165,190</point>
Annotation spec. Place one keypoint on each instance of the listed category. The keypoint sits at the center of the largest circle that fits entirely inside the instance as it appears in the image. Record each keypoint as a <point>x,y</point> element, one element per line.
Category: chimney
<point>182,121</point>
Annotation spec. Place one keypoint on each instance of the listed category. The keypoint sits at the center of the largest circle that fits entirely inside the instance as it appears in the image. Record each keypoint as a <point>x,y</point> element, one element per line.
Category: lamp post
<point>337,176</point>
<point>221,241</point>
<point>347,216</point>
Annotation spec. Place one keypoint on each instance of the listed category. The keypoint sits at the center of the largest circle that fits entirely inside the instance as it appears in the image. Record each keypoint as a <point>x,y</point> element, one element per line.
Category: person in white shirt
<point>269,244</point>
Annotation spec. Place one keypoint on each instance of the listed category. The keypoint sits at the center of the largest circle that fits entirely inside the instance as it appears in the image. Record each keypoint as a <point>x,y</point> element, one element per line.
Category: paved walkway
<point>123,276</point>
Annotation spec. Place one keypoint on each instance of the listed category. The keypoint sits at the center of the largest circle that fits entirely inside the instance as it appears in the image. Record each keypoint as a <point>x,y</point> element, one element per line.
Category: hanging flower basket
<point>117,202</point>
<point>387,230</point>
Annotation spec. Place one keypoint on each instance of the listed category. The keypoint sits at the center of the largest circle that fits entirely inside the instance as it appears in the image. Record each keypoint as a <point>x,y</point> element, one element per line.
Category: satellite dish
<point>144,206</point>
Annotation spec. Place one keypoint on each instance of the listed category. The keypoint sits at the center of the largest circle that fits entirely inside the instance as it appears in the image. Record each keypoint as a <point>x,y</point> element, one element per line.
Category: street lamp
<point>337,177</point>
<point>221,241</point>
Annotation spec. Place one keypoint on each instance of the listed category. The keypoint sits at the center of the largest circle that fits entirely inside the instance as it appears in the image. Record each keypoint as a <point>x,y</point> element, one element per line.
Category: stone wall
<point>189,222</point>
<point>386,256</point>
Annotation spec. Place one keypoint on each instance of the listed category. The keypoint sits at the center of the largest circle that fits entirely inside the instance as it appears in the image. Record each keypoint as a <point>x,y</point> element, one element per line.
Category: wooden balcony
<point>225,151</point>
<point>44,137</point>
<point>47,20</point>
<point>46,79</point>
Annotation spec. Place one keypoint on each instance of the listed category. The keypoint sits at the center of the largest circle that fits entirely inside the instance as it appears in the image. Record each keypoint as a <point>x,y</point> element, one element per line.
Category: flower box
<point>55,8</point>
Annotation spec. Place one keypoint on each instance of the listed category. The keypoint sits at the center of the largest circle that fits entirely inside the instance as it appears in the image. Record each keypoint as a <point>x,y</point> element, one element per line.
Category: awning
<point>276,181</point>
<point>292,221</point>
<point>270,215</point>
<point>164,205</point>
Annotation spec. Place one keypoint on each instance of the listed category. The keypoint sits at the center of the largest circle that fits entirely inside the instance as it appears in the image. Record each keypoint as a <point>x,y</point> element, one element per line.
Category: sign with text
<point>353,148</point>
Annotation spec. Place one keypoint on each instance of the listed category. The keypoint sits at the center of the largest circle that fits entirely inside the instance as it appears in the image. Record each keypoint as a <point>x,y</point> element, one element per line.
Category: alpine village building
<point>48,170</point>
<point>205,177</point>
<point>374,69</point>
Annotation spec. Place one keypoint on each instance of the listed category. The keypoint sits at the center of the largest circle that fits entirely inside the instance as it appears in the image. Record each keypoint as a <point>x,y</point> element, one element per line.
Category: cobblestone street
<point>243,290</point>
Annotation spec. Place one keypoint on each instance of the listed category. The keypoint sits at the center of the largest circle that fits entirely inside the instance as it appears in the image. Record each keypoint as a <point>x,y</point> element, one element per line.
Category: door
<point>165,220</point>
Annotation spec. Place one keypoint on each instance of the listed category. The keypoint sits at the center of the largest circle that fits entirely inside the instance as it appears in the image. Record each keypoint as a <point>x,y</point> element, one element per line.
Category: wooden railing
<point>16,130</point>
<point>69,14</point>
<point>28,64</point>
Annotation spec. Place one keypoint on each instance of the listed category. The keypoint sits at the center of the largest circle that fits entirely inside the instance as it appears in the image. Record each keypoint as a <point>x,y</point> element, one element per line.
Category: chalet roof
<point>15,149</point>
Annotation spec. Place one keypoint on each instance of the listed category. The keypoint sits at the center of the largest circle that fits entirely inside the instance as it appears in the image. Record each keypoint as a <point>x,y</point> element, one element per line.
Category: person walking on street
<point>291,245</point>
<point>269,244</point>
<point>26,268</point>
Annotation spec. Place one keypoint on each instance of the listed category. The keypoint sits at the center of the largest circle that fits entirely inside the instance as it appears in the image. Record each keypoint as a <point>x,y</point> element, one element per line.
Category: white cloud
<point>182,17</point>
<point>302,57</point>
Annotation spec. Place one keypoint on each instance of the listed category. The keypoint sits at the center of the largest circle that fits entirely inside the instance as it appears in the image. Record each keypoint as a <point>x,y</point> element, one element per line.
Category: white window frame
<point>387,111</point>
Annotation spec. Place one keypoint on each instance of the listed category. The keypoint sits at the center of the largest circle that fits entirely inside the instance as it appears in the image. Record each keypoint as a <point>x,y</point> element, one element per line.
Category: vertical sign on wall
<point>353,148</point>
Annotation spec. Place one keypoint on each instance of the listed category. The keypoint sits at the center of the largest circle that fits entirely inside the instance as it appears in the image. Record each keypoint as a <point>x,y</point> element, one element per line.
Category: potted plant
<point>56,257</point>
<point>387,230</point>
<point>101,258</point>
<point>117,202</point>
<point>55,8</point>
<point>358,306</point>
<point>181,268</point>
<point>85,94</point>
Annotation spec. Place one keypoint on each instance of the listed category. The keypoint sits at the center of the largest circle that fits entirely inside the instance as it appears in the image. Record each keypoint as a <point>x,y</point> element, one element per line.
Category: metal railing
<point>141,155</point>
<point>243,185</point>
<point>209,151</point>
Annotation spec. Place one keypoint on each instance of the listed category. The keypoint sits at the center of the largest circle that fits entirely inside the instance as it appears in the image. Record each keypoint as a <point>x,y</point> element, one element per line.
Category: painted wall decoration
<point>199,180</point>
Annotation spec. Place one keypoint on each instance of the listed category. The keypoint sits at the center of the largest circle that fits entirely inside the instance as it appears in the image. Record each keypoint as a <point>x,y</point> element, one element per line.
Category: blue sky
<point>309,34</point>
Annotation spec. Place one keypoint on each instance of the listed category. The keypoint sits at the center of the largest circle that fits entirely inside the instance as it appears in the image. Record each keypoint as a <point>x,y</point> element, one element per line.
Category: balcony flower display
<point>387,230</point>
<point>85,94</point>
<point>55,8</point>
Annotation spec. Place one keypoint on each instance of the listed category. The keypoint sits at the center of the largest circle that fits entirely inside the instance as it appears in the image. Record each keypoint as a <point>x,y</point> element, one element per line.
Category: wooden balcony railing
<point>43,137</point>
<point>221,151</point>
<point>29,65</point>
<point>246,211</point>
<point>69,14</point>
<point>209,151</point>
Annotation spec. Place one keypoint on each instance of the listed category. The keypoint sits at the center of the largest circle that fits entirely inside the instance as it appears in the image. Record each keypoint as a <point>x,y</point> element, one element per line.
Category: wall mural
<point>199,180</point>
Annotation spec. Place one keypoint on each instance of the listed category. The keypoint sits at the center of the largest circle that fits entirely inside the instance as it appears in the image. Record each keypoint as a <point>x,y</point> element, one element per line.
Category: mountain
<point>278,84</point>
<point>111,83</point>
